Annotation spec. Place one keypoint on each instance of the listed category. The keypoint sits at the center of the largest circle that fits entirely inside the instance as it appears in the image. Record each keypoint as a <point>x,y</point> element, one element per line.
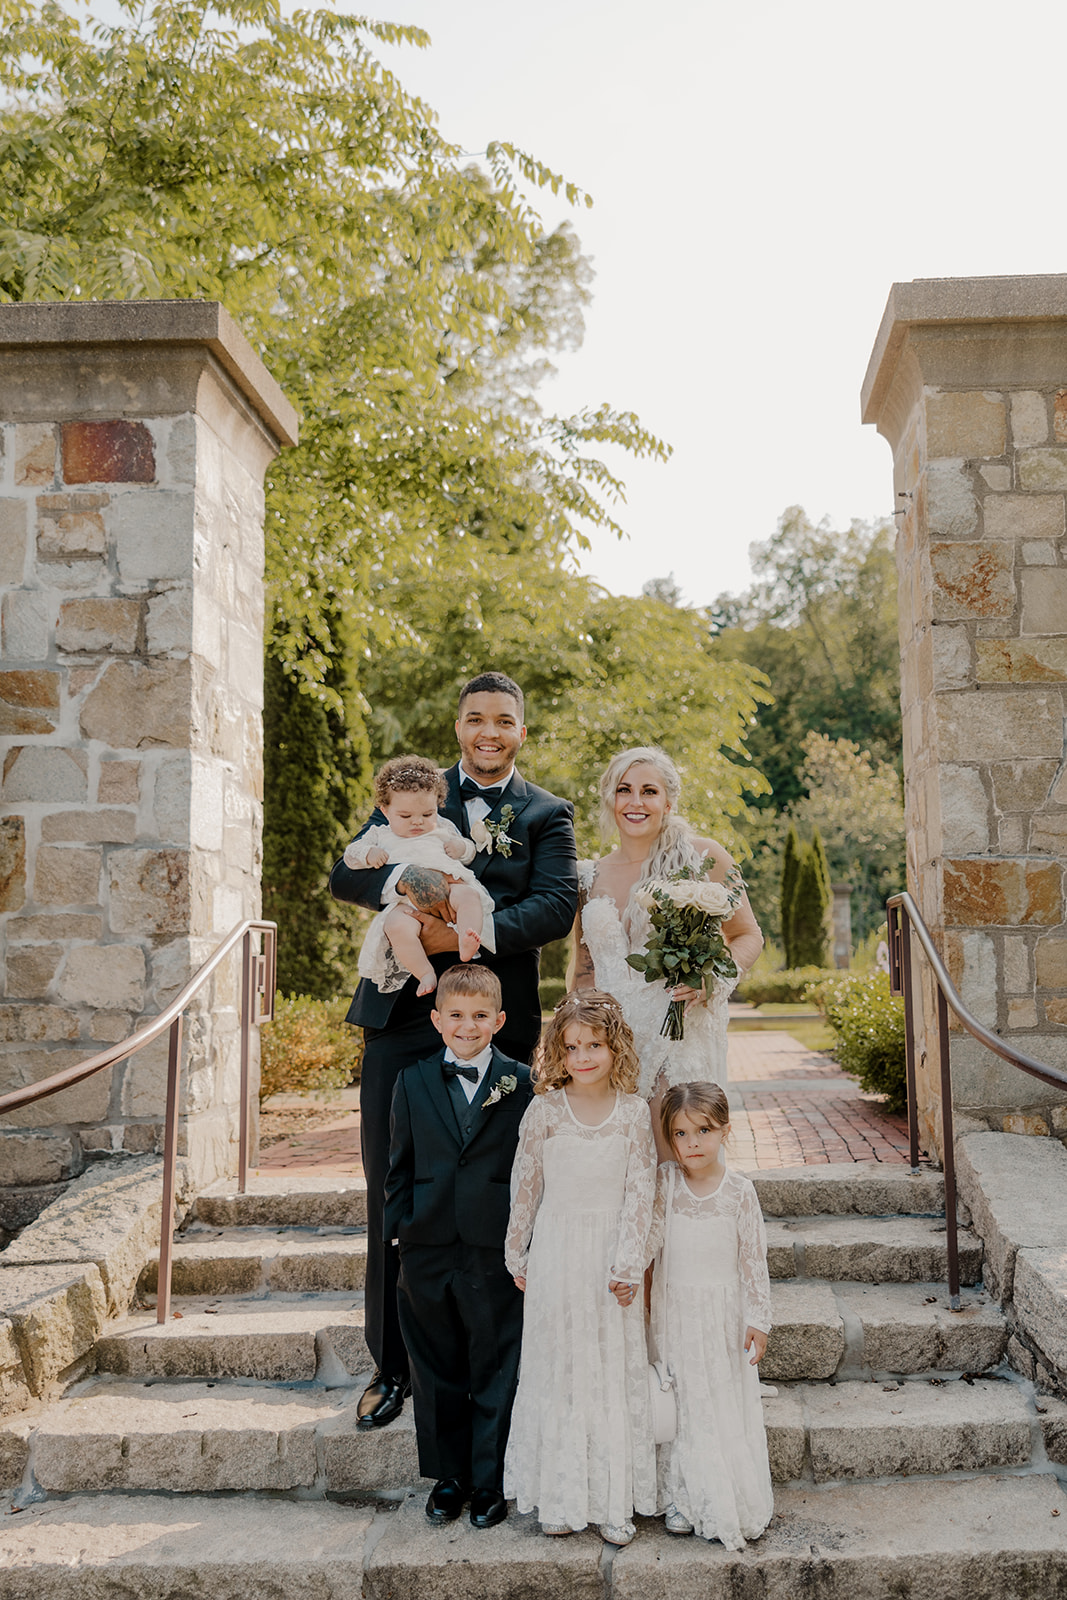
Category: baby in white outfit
<point>409,790</point>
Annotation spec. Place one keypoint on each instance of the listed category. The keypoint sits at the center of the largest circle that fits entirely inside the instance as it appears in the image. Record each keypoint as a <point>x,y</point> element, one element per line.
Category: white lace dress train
<point>580,1449</point>
<point>713,1286</point>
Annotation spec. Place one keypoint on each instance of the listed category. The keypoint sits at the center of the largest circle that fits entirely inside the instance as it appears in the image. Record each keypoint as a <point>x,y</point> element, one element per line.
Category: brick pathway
<point>790,1107</point>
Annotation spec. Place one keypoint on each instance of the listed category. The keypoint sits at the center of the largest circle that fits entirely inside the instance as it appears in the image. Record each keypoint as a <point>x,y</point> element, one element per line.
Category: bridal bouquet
<point>686,944</point>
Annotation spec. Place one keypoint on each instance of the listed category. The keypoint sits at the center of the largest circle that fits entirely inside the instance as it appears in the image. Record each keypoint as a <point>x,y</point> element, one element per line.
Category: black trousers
<point>461,1315</point>
<point>386,1051</point>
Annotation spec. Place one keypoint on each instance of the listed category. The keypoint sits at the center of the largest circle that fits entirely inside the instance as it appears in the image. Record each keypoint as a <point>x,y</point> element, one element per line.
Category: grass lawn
<point>812,1035</point>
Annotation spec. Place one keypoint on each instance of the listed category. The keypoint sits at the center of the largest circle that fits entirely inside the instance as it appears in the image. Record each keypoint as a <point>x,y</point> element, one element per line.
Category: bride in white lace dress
<point>639,794</point>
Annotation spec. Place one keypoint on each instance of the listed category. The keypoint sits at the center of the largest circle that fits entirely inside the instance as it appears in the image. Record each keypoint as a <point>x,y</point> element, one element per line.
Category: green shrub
<point>309,1048</point>
<point>863,957</point>
<point>869,1024</point>
<point>779,988</point>
<point>812,920</point>
<point>790,870</point>
<point>551,991</point>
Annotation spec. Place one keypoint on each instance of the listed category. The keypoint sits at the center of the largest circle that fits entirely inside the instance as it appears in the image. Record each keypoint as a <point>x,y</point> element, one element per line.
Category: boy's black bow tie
<point>452,1069</point>
<point>471,791</point>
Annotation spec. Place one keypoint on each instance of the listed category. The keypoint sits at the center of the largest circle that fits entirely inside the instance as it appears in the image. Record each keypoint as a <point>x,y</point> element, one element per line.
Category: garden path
<point>790,1107</point>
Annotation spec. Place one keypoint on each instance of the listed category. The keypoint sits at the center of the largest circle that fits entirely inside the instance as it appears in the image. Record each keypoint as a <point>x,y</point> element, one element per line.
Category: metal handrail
<point>903,918</point>
<point>258,977</point>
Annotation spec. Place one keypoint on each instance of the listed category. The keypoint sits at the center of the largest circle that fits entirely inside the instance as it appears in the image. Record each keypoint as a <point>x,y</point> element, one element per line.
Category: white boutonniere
<point>507,1085</point>
<point>494,835</point>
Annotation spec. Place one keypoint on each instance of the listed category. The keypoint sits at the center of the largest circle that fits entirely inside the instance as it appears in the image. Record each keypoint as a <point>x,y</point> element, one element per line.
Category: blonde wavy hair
<point>675,848</point>
<point>600,1011</point>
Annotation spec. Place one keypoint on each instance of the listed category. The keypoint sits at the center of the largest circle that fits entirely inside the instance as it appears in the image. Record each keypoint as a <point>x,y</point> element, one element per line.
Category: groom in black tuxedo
<point>533,881</point>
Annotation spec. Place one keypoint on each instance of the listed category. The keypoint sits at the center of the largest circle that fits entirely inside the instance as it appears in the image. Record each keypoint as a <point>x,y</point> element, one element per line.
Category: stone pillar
<point>968,382</point>
<point>133,442</point>
<point>842,893</point>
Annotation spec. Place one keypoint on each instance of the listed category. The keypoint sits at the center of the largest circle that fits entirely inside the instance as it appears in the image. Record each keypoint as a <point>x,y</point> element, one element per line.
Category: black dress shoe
<point>446,1500</point>
<point>488,1507</point>
<point>381,1401</point>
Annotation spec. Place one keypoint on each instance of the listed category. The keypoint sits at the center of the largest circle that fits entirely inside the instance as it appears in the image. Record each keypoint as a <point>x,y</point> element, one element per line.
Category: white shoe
<point>555,1530</point>
<point>674,1522</point>
<point>617,1533</point>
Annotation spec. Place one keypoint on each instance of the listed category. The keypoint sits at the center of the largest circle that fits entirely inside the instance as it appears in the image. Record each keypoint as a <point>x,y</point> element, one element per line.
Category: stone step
<point>922,1425</point>
<point>991,1538</point>
<point>282,1340</point>
<point>315,1199</point>
<point>250,1261</point>
<point>863,1188</point>
<point>855,1329</point>
<point>195,1437</point>
<point>868,1250</point>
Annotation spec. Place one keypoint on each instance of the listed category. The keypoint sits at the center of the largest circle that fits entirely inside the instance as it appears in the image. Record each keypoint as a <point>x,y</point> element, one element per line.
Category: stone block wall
<point>133,443</point>
<point>968,381</point>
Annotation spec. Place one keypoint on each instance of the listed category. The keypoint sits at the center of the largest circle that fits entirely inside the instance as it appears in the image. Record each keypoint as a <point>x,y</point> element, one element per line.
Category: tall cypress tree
<point>790,869</point>
<point>812,926</point>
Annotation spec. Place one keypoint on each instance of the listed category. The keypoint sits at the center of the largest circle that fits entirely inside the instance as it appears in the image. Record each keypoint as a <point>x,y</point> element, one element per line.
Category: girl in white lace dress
<point>639,793</point>
<point>580,1448</point>
<point>408,791</point>
<point>710,1320</point>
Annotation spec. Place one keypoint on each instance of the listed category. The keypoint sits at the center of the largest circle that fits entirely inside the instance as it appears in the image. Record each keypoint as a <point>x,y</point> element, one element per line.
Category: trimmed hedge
<point>309,1048</point>
<point>551,991</point>
<point>780,988</point>
<point>869,1024</point>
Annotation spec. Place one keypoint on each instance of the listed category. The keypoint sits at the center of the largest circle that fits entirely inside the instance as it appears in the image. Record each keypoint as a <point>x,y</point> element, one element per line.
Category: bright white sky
<point>762,172</point>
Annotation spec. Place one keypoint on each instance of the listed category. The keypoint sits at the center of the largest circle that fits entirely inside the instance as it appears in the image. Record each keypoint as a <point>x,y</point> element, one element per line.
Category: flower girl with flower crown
<point>581,1447</point>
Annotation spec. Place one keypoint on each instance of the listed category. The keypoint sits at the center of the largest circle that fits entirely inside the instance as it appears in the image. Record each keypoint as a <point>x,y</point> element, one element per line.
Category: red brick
<point>108,452</point>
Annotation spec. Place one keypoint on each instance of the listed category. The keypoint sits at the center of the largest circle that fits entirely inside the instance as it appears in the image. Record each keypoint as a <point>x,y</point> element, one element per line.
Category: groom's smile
<point>490,735</point>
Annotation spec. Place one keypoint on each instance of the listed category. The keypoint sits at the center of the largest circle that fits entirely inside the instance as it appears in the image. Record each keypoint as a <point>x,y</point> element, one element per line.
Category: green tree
<point>856,806</point>
<point>812,926</point>
<point>790,869</point>
<point>406,301</point>
<point>821,622</point>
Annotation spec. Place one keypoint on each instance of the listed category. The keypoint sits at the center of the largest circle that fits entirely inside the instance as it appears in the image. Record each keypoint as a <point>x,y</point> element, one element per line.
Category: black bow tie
<point>471,791</point>
<point>452,1069</point>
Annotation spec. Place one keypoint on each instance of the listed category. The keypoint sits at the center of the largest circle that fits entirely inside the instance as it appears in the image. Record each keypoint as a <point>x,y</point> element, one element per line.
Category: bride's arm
<point>741,931</point>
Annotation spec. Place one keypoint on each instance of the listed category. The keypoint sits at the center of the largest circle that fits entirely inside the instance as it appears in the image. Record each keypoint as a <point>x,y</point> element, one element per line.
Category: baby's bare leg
<point>403,932</point>
<point>467,916</point>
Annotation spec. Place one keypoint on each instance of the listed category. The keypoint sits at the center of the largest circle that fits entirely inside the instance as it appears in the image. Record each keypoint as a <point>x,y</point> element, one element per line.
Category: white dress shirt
<point>482,1061</point>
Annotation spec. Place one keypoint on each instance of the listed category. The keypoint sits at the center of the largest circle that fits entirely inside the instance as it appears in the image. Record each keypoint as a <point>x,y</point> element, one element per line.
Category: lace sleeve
<point>527,1187</point>
<point>631,1250</point>
<point>450,833</point>
<point>355,855</point>
<point>658,1231</point>
<point>752,1261</point>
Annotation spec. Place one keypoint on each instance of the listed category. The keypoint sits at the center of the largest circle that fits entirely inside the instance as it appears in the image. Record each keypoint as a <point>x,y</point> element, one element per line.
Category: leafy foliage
<point>785,987</point>
<point>869,1024</point>
<point>308,1048</point>
<point>790,871</point>
<point>407,302</point>
<point>821,622</point>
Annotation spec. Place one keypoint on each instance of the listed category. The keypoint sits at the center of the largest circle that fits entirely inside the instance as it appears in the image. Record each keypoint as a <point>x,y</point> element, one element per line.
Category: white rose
<point>712,898</point>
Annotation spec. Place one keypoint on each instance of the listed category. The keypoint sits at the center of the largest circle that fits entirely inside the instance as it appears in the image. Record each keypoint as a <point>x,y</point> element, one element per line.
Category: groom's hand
<point>436,937</point>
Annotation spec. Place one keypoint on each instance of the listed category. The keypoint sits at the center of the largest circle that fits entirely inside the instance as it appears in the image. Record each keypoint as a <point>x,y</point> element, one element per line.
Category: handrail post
<point>949,1157</point>
<point>170,1159</point>
<point>246,1029</point>
<point>908,986</point>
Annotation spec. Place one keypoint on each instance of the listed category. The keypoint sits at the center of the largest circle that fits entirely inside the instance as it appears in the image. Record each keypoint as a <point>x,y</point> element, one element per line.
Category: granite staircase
<point>218,1455</point>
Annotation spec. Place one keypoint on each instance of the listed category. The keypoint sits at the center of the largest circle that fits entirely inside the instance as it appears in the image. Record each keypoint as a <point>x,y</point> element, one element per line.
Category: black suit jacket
<point>534,890</point>
<point>443,1188</point>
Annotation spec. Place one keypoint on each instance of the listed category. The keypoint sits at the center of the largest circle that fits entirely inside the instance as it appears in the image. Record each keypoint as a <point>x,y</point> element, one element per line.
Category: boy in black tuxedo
<point>455,1128</point>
